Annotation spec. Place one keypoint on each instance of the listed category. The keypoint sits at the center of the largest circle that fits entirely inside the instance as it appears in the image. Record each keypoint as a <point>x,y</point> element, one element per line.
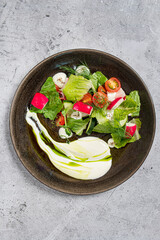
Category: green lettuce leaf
<point>82,70</point>
<point>99,115</point>
<point>100,77</point>
<point>94,81</point>
<point>104,127</point>
<point>135,96</point>
<point>131,105</point>
<point>76,87</point>
<point>121,141</point>
<point>54,105</point>
<point>68,108</point>
<point>77,125</point>
<point>36,110</point>
<point>97,79</point>
<point>119,118</point>
<point>137,121</point>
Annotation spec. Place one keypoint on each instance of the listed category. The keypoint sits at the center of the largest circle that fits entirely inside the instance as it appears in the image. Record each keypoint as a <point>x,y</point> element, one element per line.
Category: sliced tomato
<point>112,85</point>
<point>100,99</point>
<point>101,89</point>
<point>60,121</point>
<point>87,98</point>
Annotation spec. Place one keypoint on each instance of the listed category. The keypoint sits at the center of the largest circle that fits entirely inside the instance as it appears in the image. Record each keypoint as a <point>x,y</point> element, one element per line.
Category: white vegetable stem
<point>91,168</point>
<point>87,148</point>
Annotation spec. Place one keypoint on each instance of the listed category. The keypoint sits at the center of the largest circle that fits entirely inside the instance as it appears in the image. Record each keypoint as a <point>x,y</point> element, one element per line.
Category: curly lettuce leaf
<point>100,77</point>
<point>76,88</point>
<point>54,105</point>
<point>119,118</point>
<point>97,79</point>
<point>94,81</point>
<point>104,127</point>
<point>99,114</point>
<point>83,70</point>
<point>131,105</point>
<point>121,141</point>
<point>77,125</point>
<point>135,96</point>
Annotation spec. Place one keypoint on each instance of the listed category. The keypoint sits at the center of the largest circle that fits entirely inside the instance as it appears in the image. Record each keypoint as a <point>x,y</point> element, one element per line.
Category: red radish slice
<point>111,96</point>
<point>115,103</point>
<point>39,100</point>
<point>120,93</point>
<point>82,107</point>
<point>114,95</point>
<point>130,129</point>
<point>61,95</point>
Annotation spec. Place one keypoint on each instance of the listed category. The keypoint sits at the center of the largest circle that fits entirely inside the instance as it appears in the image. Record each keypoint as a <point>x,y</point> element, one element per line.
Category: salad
<point>78,101</point>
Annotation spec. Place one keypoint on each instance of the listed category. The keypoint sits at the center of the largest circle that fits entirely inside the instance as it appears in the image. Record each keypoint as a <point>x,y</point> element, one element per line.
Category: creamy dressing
<point>85,158</point>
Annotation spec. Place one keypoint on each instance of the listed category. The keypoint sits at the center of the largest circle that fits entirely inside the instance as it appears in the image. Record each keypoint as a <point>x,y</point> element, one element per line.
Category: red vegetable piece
<point>60,121</point>
<point>120,93</point>
<point>130,129</point>
<point>82,107</point>
<point>100,99</point>
<point>112,85</point>
<point>101,89</point>
<point>39,100</point>
<point>61,95</point>
<point>57,88</point>
<point>87,98</point>
<point>114,104</point>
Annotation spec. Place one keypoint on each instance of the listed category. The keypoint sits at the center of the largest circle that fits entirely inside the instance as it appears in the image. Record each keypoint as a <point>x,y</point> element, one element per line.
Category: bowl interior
<point>125,160</point>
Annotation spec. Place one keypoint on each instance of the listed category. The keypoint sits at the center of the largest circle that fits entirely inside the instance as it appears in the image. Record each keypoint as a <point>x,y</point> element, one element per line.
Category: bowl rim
<point>82,50</point>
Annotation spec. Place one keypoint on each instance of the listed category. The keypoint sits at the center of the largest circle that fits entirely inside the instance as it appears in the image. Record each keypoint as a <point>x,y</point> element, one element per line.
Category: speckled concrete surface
<point>33,30</point>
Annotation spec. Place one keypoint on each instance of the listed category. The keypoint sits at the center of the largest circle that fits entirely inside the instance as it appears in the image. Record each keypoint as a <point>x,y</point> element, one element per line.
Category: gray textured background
<point>31,30</point>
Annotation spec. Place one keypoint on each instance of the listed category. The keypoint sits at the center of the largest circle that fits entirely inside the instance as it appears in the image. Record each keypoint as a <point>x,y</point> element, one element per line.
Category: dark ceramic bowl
<point>126,160</point>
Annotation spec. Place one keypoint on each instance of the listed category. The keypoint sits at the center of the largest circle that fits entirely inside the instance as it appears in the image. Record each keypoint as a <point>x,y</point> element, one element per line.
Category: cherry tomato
<point>112,85</point>
<point>60,120</point>
<point>87,98</point>
<point>100,99</point>
<point>101,89</point>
